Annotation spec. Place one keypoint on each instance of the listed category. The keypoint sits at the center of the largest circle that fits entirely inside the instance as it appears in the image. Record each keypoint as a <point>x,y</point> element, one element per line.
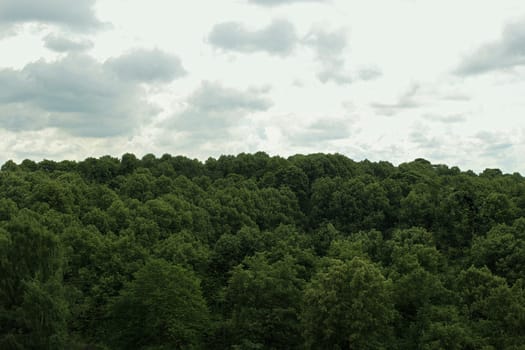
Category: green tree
<point>33,309</point>
<point>264,298</point>
<point>162,308</point>
<point>502,250</point>
<point>416,270</point>
<point>348,305</point>
<point>497,208</point>
<point>494,310</point>
<point>184,249</point>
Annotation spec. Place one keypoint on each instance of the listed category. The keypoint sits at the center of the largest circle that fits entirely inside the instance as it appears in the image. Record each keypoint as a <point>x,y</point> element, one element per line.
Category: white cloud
<point>318,132</point>
<point>480,150</point>
<point>407,100</point>
<point>447,119</point>
<point>116,99</point>
<point>271,3</point>
<point>213,110</point>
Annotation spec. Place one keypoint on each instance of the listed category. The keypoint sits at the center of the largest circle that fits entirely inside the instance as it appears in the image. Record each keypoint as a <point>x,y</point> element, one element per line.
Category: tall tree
<point>348,305</point>
<point>33,309</point>
<point>162,308</point>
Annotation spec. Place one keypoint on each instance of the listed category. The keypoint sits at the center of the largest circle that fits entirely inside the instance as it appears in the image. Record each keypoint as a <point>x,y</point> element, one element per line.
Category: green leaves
<point>259,252</point>
<point>264,298</point>
<point>33,310</point>
<point>348,305</point>
<point>162,307</point>
<point>494,310</point>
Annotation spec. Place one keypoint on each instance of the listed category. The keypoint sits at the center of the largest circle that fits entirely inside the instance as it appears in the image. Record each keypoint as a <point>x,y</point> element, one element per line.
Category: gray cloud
<point>6,30</point>
<point>431,144</point>
<point>423,141</point>
<point>326,44</point>
<point>329,47</point>
<point>324,130</point>
<point>481,150</point>
<point>75,94</point>
<point>405,101</point>
<point>492,144</point>
<point>332,71</point>
<point>329,50</point>
<point>213,109</point>
<point>369,73</point>
<point>497,149</point>
<point>500,149</point>
<point>446,119</point>
<point>278,38</point>
<point>270,3</point>
<point>214,97</point>
<point>147,66</point>
<point>59,43</point>
<point>78,16</point>
<point>457,97</point>
<point>506,53</point>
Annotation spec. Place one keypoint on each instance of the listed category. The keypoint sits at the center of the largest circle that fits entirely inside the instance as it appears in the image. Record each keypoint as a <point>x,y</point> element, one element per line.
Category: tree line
<point>258,252</point>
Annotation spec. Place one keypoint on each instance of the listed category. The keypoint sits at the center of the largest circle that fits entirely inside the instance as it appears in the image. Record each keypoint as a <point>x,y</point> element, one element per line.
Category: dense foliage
<point>260,252</point>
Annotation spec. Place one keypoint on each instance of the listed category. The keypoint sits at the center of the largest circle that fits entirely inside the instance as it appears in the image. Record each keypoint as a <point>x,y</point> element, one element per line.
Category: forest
<point>260,252</point>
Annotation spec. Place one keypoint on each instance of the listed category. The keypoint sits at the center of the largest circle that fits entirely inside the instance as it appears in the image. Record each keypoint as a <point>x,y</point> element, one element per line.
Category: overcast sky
<point>384,80</point>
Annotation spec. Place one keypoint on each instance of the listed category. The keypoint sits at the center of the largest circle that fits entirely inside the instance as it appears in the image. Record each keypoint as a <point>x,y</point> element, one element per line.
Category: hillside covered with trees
<point>258,252</point>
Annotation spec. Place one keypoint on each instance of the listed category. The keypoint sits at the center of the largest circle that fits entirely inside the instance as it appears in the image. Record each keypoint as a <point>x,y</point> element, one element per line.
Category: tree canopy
<point>258,252</point>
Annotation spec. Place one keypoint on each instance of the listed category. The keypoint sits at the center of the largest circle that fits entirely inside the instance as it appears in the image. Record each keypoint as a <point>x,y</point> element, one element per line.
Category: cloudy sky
<point>383,80</point>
